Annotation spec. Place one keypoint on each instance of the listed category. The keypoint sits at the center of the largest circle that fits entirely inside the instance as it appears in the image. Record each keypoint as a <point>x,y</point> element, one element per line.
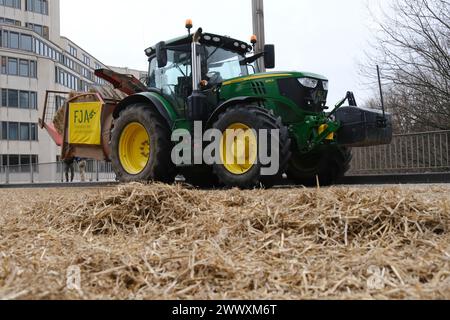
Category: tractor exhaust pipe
<point>197,103</point>
<point>196,61</point>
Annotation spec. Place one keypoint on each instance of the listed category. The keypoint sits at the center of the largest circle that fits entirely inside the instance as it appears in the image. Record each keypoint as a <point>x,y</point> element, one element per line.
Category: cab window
<point>174,80</point>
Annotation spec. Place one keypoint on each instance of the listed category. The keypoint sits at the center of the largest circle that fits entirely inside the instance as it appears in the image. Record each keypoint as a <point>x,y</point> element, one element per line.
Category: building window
<point>4,135</point>
<point>59,102</point>
<point>24,132</point>
<point>37,6</point>
<point>4,98</point>
<point>13,98</point>
<point>4,39</point>
<point>13,160</point>
<point>19,131</point>
<point>12,66</point>
<point>66,79</point>
<point>26,42</point>
<point>86,60</point>
<point>23,160</point>
<point>13,131</point>
<point>13,40</point>
<point>41,30</point>
<point>34,132</point>
<point>19,99</point>
<point>11,3</point>
<point>24,68</point>
<point>18,41</point>
<point>24,100</point>
<point>43,49</point>
<point>33,100</point>
<point>10,21</point>
<point>33,69</point>
<point>72,51</point>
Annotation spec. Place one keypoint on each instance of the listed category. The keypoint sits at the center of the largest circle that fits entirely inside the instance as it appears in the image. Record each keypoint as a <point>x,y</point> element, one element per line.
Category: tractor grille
<point>259,88</point>
<point>311,100</point>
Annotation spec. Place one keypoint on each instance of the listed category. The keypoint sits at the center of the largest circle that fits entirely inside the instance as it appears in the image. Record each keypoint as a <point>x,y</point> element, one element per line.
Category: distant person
<point>69,166</point>
<point>82,164</point>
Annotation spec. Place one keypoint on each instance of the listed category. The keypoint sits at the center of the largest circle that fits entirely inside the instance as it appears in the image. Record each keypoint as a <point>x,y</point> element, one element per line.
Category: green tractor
<point>204,81</point>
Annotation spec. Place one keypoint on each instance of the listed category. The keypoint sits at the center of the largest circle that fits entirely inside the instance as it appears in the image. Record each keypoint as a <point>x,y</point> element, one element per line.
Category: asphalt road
<point>435,178</point>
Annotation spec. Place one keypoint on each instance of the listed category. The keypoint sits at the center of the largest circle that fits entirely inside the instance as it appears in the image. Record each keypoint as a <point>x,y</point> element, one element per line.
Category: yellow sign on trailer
<point>85,123</point>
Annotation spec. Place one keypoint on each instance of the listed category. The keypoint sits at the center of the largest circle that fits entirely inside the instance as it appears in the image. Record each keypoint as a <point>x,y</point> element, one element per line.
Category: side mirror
<point>161,54</point>
<point>269,56</point>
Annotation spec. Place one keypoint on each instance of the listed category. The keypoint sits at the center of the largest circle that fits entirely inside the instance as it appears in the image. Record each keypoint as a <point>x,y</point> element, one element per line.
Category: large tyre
<point>247,173</point>
<point>141,146</point>
<point>329,164</point>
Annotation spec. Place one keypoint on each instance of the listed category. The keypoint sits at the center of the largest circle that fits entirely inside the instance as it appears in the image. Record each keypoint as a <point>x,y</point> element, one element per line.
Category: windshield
<point>223,64</point>
<point>175,79</point>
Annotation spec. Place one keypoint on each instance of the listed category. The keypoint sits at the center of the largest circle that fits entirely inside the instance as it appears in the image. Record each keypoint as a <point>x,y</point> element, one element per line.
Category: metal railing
<point>426,152</point>
<point>96,171</point>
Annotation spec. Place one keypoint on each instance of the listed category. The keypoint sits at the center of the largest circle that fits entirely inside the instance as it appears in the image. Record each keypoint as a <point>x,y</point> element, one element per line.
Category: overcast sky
<point>322,36</point>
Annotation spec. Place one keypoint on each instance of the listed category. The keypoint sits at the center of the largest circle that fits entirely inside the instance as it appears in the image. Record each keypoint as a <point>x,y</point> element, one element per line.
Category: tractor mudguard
<point>361,127</point>
<point>153,99</point>
<point>229,103</point>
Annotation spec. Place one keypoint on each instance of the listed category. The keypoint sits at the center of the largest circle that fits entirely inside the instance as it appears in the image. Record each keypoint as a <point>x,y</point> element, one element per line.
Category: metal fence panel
<point>96,171</point>
<point>426,152</point>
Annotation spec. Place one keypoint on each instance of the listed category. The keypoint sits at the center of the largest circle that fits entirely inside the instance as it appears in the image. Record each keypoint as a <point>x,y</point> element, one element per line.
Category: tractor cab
<point>179,67</point>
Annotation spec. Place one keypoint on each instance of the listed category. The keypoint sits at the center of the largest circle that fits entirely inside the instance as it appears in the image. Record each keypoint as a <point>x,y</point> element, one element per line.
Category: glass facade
<point>34,57</point>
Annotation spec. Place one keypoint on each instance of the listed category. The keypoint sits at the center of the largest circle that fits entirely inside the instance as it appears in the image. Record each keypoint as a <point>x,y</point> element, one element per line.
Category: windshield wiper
<point>221,47</point>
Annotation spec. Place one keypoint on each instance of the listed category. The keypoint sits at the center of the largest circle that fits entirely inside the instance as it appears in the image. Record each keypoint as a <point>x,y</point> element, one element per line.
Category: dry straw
<point>171,242</point>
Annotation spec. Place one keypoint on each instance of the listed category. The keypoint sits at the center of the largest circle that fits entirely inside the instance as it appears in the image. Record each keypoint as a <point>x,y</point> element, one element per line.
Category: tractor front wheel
<point>245,130</point>
<point>141,147</point>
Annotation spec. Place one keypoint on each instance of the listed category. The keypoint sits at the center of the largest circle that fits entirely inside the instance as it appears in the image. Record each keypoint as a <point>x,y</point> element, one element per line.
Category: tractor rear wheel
<point>141,146</point>
<point>240,164</point>
<point>329,165</point>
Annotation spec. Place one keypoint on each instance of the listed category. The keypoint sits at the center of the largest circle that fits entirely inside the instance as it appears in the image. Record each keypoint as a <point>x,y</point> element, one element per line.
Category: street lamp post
<point>258,28</point>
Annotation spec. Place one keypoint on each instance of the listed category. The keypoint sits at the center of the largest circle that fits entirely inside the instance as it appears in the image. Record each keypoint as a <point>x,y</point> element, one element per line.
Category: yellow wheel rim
<point>134,148</point>
<point>239,148</point>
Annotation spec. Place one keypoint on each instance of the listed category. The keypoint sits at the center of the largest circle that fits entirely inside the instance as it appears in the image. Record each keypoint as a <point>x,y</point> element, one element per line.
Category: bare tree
<point>412,48</point>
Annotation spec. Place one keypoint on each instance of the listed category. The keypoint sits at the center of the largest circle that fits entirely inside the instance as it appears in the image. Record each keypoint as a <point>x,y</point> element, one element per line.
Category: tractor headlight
<point>325,85</point>
<point>308,82</point>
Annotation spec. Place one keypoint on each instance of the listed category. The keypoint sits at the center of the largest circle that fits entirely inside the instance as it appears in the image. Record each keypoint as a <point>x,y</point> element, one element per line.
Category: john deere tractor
<point>215,81</point>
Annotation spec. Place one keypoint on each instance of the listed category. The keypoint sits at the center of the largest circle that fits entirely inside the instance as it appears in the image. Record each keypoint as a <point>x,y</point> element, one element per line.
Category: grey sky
<point>322,36</point>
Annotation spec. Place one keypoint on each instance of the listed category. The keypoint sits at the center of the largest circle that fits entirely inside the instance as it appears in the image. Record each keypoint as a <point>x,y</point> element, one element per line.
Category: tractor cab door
<point>175,79</point>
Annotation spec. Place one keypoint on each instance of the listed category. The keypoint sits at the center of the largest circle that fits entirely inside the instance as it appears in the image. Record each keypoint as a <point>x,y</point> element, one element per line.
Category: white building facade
<point>34,58</point>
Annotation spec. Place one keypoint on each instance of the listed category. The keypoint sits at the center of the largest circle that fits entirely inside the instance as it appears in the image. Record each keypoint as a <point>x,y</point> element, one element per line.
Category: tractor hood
<point>275,75</point>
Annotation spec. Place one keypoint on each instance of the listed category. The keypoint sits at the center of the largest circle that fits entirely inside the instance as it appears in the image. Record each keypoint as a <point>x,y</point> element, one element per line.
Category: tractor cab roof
<point>207,39</point>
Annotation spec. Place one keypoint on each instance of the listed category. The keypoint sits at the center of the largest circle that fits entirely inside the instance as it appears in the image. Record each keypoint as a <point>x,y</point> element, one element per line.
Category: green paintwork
<point>303,125</point>
<point>167,105</point>
<point>179,122</point>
